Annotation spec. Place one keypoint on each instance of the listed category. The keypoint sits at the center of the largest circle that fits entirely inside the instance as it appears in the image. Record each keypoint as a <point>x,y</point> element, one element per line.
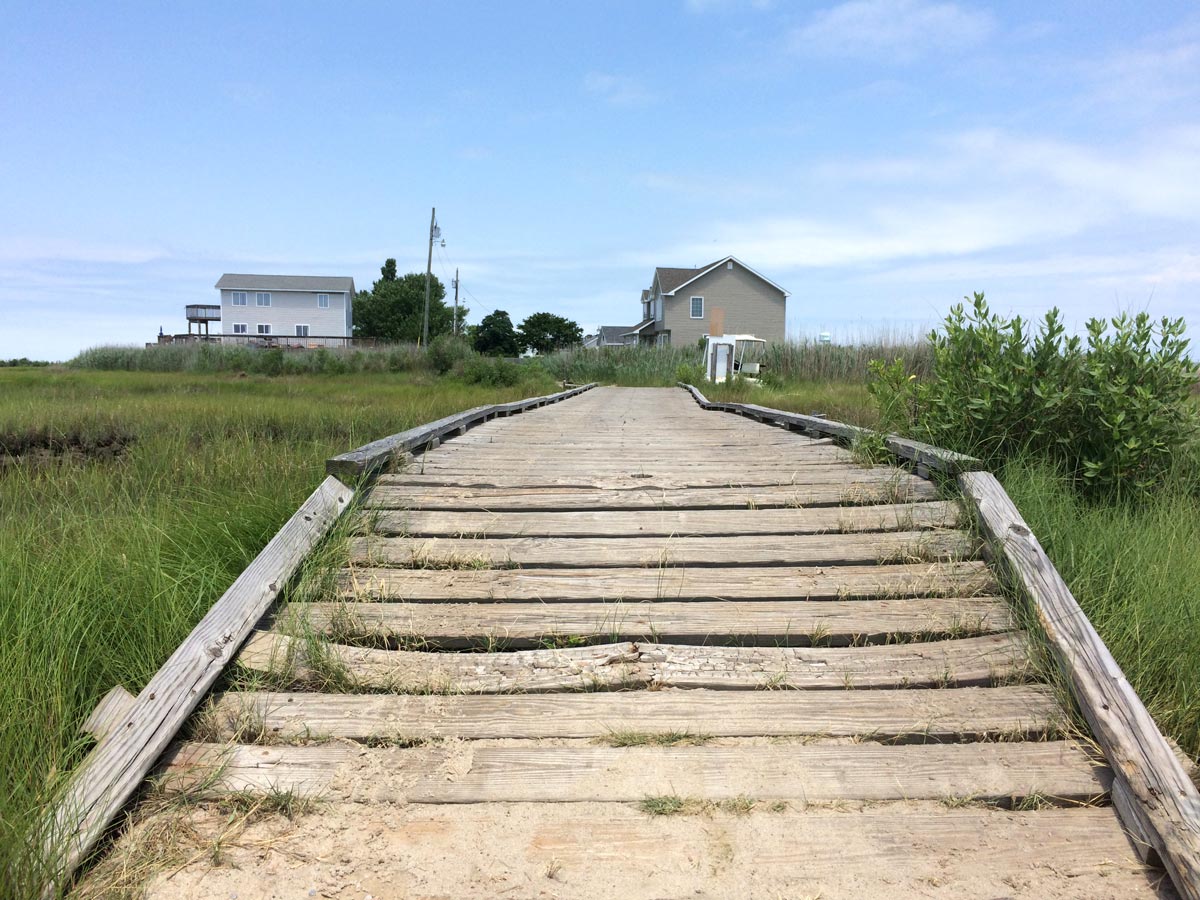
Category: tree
<point>393,308</point>
<point>545,332</point>
<point>495,336</point>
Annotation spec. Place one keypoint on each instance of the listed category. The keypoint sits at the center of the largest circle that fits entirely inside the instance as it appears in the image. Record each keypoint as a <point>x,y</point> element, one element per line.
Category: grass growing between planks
<point>109,557</point>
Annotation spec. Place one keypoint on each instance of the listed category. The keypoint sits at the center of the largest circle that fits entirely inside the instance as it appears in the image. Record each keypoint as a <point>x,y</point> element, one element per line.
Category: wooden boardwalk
<point>556,627</point>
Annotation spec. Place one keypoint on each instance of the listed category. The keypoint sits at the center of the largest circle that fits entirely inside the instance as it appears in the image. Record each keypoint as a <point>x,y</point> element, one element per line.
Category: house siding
<point>287,310</point>
<point>751,307</point>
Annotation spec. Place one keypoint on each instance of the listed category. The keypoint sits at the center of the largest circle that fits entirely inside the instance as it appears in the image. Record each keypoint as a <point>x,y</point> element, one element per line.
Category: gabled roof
<point>681,278</point>
<point>640,327</point>
<point>669,279</point>
<point>333,283</point>
<point>612,334</point>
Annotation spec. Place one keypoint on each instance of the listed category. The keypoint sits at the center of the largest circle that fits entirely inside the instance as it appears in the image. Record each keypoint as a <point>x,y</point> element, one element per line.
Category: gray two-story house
<point>293,310</point>
<point>682,305</point>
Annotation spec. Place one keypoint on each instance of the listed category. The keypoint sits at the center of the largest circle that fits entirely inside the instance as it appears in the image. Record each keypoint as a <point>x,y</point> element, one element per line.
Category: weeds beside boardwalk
<point>109,557</point>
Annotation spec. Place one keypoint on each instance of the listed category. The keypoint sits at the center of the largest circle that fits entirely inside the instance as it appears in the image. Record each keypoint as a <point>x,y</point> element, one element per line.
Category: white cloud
<point>618,90</point>
<point>71,250</point>
<point>896,30</point>
<point>1157,69</point>
<point>974,192</point>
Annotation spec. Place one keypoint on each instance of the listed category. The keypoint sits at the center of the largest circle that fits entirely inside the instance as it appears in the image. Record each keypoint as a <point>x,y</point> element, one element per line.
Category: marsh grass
<point>107,564</point>
<point>1134,569</point>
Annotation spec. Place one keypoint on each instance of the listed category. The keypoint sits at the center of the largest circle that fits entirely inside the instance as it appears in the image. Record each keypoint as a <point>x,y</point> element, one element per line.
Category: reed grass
<point>1134,569</point>
<point>108,560</point>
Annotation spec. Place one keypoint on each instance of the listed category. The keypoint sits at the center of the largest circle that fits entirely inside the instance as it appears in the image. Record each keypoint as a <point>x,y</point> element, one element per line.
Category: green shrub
<point>1113,414</point>
<point>491,371</point>
<point>447,351</point>
<point>690,373</point>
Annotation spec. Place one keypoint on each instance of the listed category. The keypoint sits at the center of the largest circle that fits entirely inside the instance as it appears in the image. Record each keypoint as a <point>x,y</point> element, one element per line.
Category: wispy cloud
<point>892,30</point>
<point>1155,70</point>
<point>618,90</point>
<point>28,249</point>
<point>972,193</point>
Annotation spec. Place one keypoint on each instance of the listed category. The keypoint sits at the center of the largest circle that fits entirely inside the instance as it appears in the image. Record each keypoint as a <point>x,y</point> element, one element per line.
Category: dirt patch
<point>36,447</point>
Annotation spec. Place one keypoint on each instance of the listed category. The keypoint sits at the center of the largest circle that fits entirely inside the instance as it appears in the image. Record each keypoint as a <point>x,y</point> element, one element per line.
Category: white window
<point>264,329</point>
<point>239,328</point>
<point>237,298</point>
<point>262,299</point>
<point>323,301</point>
<point>301,331</point>
<point>697,307</point>
<point>663,339</point>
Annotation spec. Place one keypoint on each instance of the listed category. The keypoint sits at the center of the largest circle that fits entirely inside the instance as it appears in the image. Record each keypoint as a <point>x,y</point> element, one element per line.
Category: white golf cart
<point>727,355</point>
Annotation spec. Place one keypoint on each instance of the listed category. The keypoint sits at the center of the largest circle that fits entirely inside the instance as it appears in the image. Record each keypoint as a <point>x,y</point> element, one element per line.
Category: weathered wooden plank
<point>753,550</point>
<point>1057,771</point>
<point>925,579</point>
<point>370,457</point>
<point>1168,805</point>
<point>827,488</point>
<point>978,661</point>
<point>109,713</point>
<point>122,758</point>
<point>406,671</point>
<point>667,523</point>
<point>517,455</point>
<point>971,661</point>
<point>1053,771</point>
<point>588,479</point>
<point>760,622</point>
<point>900,851</point>
<point>911,715</point>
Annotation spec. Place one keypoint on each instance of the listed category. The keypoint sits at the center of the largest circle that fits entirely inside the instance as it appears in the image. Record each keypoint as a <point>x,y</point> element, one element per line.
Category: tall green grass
<point>1135,570</point>
<point>214,357</point>
<point>627,366</point>
<point>106,565</point>
<point>784,365</point>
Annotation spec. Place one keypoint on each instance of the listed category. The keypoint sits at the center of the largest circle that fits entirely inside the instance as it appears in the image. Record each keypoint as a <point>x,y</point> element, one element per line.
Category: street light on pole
<point>434,233</point>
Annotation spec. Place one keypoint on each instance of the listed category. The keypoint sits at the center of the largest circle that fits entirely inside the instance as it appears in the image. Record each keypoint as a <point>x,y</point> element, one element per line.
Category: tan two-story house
<point>682,305</point>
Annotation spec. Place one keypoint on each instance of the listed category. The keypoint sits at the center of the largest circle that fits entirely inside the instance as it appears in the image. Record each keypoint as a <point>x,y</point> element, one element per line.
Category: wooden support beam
<point>1154,795</point>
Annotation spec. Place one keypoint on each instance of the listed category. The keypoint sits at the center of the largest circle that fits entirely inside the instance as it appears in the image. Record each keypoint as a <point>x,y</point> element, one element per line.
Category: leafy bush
<point>447,351</point>
<point>1113,413</point>
<point>491,372</point>
<point>690,373</point>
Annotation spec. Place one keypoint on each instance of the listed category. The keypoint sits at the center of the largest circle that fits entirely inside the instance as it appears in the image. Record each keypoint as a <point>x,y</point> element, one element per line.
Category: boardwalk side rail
<point>132,732</point>
<point>923,456</point>
<point>1155,798</point>
<point>370,458</point>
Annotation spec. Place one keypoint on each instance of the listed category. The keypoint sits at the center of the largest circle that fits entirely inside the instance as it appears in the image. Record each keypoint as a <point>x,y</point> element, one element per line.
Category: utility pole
<point>428,271</point>
<point>454,327</point>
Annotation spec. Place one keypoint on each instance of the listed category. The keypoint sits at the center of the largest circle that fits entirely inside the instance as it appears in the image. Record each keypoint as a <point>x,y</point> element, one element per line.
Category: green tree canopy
<point>545,332</point>
<point>392,310</point>
<point>495,336</point>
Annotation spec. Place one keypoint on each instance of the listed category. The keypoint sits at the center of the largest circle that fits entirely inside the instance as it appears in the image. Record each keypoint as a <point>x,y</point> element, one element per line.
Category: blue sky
<point>878,158</point>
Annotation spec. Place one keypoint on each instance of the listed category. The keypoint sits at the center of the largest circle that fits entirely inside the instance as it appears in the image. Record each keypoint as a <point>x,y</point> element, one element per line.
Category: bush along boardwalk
<point>626,645</point>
